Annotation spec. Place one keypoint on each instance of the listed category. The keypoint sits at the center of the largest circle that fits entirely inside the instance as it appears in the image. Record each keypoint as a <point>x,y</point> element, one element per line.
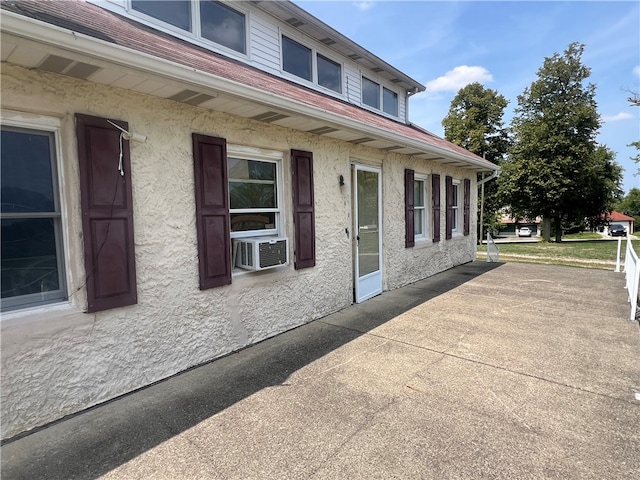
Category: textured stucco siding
<point>57,360</point>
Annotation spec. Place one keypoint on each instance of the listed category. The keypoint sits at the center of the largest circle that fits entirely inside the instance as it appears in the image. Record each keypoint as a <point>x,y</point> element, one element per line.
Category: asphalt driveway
<point>483,371</point>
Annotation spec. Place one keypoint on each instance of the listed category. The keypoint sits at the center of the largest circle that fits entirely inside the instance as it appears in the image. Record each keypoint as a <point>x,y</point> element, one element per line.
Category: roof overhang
<point>34,44</point>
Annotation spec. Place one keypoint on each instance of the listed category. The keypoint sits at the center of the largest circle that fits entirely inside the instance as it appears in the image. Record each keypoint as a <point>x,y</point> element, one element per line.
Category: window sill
<point>39,314</point>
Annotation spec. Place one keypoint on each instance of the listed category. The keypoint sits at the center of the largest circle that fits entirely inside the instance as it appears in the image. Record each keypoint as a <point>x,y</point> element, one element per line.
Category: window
<point>218,22</point>
<point>254,192</point>
<point>455,206</point>
<point>390,102</point>
<point>173,12</point>
<point>223,25</point>
<point>370,93</point>
<point>419,209</point>
<point>298,60</point>
<point>32,262</point>
<point>329,74</point>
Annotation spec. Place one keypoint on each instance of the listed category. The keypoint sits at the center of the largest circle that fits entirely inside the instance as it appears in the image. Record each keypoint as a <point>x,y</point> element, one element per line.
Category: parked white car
<point>524,232</point>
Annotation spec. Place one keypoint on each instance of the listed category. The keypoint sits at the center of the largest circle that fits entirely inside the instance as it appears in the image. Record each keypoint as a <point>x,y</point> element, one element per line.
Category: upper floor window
<point>374,96</point>
<point>32,263</point>
<point>223,25</point>
<point>218,22</point>
<point>173,12</point>
<point>370,93</point>
<point>390,102</point>
<point>298,60</point>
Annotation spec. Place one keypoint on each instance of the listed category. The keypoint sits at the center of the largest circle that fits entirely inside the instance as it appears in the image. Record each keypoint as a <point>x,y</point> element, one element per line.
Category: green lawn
<point>583,253</point>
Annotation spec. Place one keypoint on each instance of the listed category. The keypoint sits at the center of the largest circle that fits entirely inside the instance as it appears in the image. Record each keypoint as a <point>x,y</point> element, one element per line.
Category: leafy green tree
<point>475,122</point>
<point>556,169</point>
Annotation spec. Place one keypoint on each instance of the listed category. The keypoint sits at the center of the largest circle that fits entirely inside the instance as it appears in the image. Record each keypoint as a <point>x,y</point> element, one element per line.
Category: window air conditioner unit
<point>261,253</point>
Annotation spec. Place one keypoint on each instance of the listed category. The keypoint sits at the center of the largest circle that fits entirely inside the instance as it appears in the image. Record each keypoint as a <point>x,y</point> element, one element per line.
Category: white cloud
<point>636,70</point>
<point>458,78</point>
<point>365,5</point>
<point>617,117</point>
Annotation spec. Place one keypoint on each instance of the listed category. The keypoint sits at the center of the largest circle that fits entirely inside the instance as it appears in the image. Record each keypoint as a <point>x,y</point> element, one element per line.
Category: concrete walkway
<point>484,371</point>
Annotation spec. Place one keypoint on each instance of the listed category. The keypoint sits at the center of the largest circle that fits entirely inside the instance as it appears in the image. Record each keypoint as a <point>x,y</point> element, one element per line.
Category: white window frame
<point>395,114</point>
<point>314,65</point>
<point>271,156</point>
<point>421,237</point>
<point>381,90</point>
<point>455,206</point>
<point>195,35</point>
<point>47,125</point>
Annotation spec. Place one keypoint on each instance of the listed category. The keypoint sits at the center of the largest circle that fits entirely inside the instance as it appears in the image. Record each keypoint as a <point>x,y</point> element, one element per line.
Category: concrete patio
<point>483,371</point>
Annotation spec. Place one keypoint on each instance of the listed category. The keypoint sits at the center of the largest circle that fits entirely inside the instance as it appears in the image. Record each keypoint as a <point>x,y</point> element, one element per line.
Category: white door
<point>368,232</point>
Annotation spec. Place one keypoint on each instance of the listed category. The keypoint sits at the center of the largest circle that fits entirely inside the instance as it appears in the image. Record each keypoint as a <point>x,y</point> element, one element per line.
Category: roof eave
<point>87,46</point>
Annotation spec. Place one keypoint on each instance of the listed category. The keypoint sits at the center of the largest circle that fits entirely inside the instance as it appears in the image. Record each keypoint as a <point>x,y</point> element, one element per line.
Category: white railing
<point>631,274</point>
<point>493,252</point>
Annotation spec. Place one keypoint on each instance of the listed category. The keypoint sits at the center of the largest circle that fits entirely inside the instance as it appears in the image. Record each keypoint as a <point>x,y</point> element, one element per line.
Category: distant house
<point>621,219</point>
<point>511,226</point>
<point>183,179</point>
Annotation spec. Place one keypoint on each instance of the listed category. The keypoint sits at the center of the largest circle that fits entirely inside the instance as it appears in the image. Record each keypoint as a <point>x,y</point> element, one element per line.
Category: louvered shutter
<point>303,209</point>
<point>449,207</point>
<point>467,205</point>
<point>107,214</point>
<point>435,201</point>
<point>212,211</point>
<point>409,207</point>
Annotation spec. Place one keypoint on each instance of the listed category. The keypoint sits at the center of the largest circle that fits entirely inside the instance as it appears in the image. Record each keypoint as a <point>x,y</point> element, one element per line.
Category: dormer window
<point>223,25</point>
<point>210,20</point>
<point>173,12</point>
<point>298,60</point>
<point>373,96</point>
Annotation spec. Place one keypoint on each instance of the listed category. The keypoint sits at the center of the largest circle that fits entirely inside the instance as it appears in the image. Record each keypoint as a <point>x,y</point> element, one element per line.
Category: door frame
<point>372,282</point>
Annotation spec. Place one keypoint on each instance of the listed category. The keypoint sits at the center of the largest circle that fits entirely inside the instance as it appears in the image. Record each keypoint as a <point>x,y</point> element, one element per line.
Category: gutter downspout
<point>481,182</point>
<point>410,93</point>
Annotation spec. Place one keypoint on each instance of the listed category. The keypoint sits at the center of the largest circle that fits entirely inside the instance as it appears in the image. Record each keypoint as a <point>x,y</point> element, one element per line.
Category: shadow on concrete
<point>96,441</point>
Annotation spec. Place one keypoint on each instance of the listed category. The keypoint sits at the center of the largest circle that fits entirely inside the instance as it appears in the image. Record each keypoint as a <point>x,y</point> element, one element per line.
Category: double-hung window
<point>419,209</point>
<point>255,188</point>
<point>32,245</point>
<point>206,19</point>
<point>373,95</point>
<point>298,60</point>
<point>455,206</point>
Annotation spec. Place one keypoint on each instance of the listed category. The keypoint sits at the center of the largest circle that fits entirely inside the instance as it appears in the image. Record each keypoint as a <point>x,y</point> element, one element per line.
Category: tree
<point>556,169</point>
<point>475,122</point>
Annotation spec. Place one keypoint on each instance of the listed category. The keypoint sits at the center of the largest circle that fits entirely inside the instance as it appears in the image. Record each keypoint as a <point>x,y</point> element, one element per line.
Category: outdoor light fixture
<point>341,180</point>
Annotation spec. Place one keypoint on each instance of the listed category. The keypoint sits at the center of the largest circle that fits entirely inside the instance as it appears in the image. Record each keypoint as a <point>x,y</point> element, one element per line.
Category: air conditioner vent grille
<point>260,253</point>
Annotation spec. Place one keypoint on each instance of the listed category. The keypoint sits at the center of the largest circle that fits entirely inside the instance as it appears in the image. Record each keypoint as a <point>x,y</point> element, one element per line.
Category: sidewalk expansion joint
<point>490,365</point>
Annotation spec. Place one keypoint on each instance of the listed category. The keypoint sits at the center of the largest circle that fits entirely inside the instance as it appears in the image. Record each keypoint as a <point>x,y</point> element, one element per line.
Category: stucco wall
<point>58,360</point>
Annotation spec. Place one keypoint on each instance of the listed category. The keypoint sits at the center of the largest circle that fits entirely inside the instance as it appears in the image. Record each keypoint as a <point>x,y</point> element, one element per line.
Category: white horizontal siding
<point>265,44</point>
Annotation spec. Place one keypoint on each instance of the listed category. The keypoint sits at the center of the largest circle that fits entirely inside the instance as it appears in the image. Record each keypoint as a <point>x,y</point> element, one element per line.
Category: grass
<point>583,253</point>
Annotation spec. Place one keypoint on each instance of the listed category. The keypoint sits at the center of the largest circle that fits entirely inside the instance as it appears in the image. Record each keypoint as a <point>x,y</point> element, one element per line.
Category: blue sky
<point>501,44</point>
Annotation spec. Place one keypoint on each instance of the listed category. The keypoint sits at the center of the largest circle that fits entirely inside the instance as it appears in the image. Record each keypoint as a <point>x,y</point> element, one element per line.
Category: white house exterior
<point>122,252</point>
<point>621,219</point>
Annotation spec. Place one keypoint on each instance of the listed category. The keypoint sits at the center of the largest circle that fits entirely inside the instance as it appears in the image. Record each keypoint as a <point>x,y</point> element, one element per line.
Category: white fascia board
<point>79,43</point>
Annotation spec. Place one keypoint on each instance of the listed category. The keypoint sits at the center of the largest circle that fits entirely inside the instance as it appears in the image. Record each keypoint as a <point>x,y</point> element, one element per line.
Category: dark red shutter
<point>409,206</point>
<point>107,214</point>
<point>435,201</point>
<point>303,209</point>
<point>212,210</point>
<point>449,207</point>
<point>467,205</point>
